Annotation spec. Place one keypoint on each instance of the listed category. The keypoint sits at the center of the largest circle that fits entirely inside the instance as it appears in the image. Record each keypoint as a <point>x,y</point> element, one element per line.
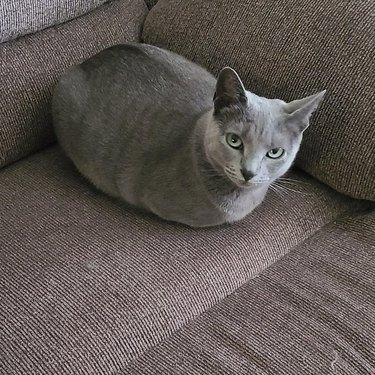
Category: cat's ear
<point>229,90</point>
<point>299,111</point>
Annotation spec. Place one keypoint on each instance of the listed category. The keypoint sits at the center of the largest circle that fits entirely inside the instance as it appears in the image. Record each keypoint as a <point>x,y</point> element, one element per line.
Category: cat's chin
<point>247,185</point>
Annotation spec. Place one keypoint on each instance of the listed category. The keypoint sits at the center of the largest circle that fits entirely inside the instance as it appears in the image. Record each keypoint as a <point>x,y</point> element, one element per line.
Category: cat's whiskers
<point>212,172</point>
<point>280,185</point>
<point>286,190</point>
<point>261,180</point>
<point>287,183</point>
<point>292,180</point>
<point>275,190</point>
<point>231,172</point>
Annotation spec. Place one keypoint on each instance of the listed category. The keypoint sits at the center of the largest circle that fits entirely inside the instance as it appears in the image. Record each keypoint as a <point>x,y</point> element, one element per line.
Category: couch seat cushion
<point>88,284</point>
<point>311,313</point>
<point>30,67</point>
<point>290,49</point>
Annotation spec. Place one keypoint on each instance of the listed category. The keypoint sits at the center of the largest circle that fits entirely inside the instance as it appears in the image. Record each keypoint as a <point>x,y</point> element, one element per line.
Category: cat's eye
<point>234,140</point>
<point>275,153</point>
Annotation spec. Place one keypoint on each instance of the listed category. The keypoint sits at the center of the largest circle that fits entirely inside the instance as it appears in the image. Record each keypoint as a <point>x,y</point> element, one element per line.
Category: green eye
<point>276,153</point>
<point>234,140</point>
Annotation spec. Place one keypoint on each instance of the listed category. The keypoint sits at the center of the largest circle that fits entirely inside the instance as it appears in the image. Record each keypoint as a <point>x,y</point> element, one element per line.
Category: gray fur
<point>141,124</point>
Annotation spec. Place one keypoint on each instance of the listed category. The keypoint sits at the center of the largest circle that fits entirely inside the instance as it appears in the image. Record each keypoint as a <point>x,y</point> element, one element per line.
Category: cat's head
<point>254,140</point>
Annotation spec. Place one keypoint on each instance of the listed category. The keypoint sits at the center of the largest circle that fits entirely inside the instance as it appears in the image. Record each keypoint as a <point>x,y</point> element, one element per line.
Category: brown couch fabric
<point>20,17</point>
<point>31,65</point>
<point>311,313</point>
<point>151,3</point>
<point>88,284</point>
<point>289,49</point>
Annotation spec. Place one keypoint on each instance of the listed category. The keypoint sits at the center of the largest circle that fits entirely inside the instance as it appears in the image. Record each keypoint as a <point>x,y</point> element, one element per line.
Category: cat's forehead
<point>260,118</point>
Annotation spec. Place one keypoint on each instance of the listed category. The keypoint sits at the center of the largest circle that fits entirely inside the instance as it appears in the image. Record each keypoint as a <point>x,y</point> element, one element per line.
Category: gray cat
<point>158,131</point>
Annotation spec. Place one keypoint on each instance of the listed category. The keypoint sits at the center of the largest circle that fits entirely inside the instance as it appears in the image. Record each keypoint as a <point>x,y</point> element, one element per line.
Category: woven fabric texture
<point>311,313</point>
<point>290,49</point>
<point>30,66</point>
<point>21,17</point>
<point>88,284</point>
<point>151,3</point>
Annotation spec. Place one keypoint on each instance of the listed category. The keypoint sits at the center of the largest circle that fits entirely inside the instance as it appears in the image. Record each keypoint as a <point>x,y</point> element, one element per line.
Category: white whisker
<point>292,180</point>
<point>281,186</point>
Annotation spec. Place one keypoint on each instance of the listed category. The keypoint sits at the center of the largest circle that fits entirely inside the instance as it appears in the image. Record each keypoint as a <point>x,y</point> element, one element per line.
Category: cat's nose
<point>247,175</point>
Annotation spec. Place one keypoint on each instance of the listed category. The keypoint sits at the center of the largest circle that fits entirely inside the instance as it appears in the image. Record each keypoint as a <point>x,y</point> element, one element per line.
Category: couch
<point>89,285</point>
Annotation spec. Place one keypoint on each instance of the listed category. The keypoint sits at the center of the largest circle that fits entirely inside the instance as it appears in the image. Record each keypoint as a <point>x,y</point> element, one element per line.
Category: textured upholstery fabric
<point>151,3</point>
<point>88,284</point>
<point>311,313</point>
<point>31,65</point>
<point>289,49</point>
<point>21,17</point>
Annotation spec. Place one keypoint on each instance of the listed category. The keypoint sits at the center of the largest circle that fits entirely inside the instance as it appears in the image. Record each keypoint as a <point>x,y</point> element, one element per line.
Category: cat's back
<point>132,84</point>
<point>127,102</point>
<point>146,76</point>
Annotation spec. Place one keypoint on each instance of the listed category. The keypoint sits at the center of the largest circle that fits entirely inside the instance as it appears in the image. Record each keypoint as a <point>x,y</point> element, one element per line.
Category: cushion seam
<point>221,300</point>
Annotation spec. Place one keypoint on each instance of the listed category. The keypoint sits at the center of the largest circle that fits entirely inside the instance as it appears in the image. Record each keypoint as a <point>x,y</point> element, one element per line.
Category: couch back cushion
<point>289,49</point>
<point>31,65</point>
<point>18,18</point>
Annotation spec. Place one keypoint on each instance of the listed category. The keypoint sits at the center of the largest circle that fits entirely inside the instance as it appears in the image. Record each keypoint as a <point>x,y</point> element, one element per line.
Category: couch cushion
<point>88,283</point>
<point>20,17</point>
<point>151,3</point>
<point>311,313</point>
<point>31,65</point>
<point>289,49</point>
